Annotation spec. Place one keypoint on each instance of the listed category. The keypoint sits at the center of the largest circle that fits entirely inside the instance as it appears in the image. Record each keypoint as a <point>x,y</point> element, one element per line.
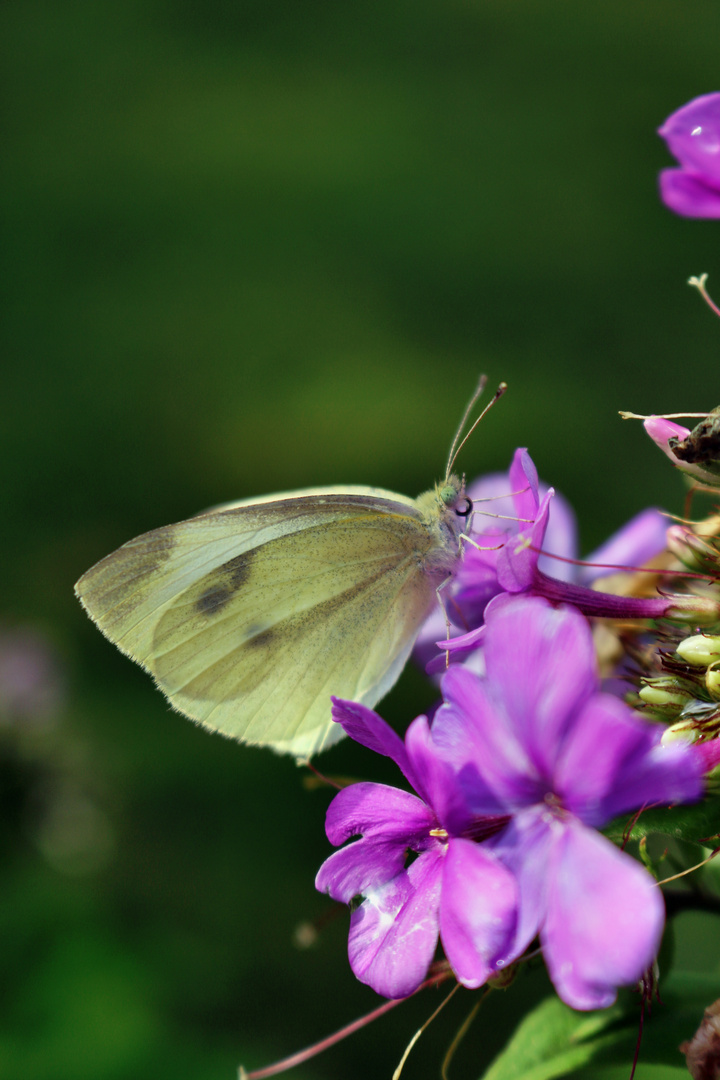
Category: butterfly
<point>251,615</point>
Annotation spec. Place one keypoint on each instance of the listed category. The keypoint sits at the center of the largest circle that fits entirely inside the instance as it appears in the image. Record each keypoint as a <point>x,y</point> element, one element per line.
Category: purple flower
<point>693,137</point>
<point>535,740</point>
<point>531,517</point>
<point>417,866</point>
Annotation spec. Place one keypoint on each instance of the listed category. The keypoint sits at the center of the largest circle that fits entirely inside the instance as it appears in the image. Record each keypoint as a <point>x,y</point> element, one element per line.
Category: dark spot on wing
<point>238,569</point>
<point>229,579</point>
<point>213,599</point>
<point>259,641</point>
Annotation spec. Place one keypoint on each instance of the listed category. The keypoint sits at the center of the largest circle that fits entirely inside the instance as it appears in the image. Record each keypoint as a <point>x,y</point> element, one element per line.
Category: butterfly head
<point>451,497</point>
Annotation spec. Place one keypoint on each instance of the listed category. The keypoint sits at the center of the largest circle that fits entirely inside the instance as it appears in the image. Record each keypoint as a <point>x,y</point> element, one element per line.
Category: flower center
<point>485,827</point>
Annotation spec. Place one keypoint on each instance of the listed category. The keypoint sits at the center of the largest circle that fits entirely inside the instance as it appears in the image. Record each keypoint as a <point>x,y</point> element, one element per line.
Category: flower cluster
<point>517,772</point>
<point>525,760</point>
<point>529,755</point>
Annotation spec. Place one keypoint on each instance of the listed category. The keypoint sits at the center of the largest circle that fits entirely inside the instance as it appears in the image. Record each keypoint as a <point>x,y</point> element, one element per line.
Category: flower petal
<point>366,727</point>
<point>359,867</point>
<point>541,664</point>
<point>464,643</point>
<point>525,847</point>
<point>692,134</point>
<point>391,822</point>
<point>496,490</point>
<point>367,809</point>
<point>477,580</point>
<point>613,762</point>
<point>478,912</point>
<point>524,486</point>
<point>394,932</point>
<point>436,779</point>
<point>604,920</point>
<point>689,195</point>
<point>660,430</point>
<point>641,539</point>
<point>708,754</point>
<point>560,539</point>
<point>517,560</point>
<point>473,735</point>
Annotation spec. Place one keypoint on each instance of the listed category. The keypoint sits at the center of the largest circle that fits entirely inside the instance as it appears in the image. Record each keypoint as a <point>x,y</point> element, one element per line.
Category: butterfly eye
<point>468,509</point>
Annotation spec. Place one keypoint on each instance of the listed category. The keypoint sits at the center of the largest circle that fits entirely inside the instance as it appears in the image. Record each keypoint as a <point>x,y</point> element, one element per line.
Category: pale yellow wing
<point>249,618</point>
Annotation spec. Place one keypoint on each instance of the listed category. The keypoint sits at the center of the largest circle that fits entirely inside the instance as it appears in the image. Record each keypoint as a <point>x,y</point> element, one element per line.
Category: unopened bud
<point>682,732</point>
<point>699,610</point>
<point>700,650</point>
<point>657,692</point>
<point>504,977</point>
<point>712,682</point>
<point>691,550</point>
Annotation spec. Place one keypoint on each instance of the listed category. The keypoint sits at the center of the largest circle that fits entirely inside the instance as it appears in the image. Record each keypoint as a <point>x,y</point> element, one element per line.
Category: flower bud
<point>664,693</point>
<point>691,550</point>
<point>700,610</point>
<point>682,732</point>
<point>681,446</point>
<point>504,978</point>
<point>712,682</point>
<point>700,650</point>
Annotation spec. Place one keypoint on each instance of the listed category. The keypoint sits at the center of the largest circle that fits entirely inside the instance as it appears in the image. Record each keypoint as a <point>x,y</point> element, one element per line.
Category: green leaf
<point>554,1041</point>
<point>696,823</point>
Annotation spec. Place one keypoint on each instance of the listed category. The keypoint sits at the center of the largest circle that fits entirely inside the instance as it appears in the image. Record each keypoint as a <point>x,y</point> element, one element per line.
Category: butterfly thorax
<point>439,508</point>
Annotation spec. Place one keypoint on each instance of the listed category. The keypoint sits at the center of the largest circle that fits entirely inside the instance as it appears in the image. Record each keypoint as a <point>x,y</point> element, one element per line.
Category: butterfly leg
<point>478,547</point>
<point>441,586</point>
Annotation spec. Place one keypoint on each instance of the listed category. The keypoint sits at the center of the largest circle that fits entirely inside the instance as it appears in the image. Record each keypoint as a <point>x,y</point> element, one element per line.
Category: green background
<point>250,246</point>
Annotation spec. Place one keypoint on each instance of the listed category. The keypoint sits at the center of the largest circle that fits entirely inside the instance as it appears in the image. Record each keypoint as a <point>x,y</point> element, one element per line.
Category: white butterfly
<point>251,615</point>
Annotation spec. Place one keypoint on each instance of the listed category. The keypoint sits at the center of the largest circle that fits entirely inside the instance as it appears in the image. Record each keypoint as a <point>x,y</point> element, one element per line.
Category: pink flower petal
<point>604,921</point>
<point>518,559</point>
<point>525,847</point>
<point>708,754</point>
<point>688,195</point>
<point>612,762</point>
<point>692,134</point>
<point>436,782</point>
<point>524,487</point>
<point>394,932</point>
<point>478,914</point>
<point>367,728</point>
<point>473,734</point>
<point>541,663</point>
<point>640,539</point>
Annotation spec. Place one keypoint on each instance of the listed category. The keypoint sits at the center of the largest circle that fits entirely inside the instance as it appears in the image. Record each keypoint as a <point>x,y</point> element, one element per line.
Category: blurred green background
<point>257,245</point>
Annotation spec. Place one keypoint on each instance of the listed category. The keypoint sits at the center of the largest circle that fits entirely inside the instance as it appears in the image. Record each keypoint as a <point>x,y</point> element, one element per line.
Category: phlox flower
<point>535,740</point>
<point>417,866</point>
<point>519,770</point>
<point>530,516</point>
<point>692,134</point>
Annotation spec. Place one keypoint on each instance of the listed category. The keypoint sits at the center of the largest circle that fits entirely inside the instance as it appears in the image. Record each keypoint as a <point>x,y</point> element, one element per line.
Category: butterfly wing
<point>249,618</point>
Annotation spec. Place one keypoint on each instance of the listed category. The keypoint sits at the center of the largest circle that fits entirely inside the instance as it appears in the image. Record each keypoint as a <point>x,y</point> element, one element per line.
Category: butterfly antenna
<point>468,408</point>
<point>455,448</point>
